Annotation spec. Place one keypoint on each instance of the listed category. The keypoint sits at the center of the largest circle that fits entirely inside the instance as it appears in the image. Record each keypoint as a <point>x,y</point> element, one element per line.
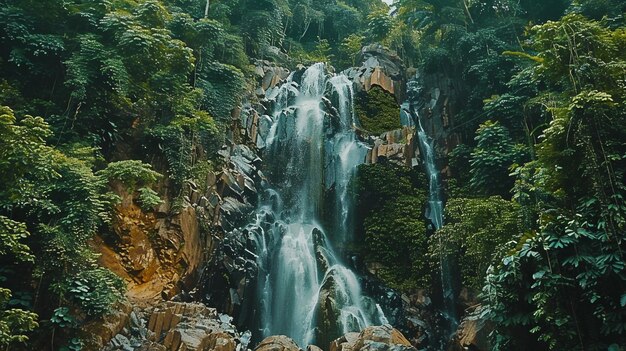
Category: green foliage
<point>351,47</point>
<point>389,201</point>
<point>149,199</point>
<point>62,318</point>
<point>477,232</point>
<point>11,236</point>
<point>561,286</point>
<point>184,142</point>
<point>95,290</point>
<point>491,159</point>
<point>321,52</point>
<point>46,226</point>
<point>131,173</point>
<point>377,110</point>
<point>223,86</point>
<point>14,323</point>
<point>379,25</point>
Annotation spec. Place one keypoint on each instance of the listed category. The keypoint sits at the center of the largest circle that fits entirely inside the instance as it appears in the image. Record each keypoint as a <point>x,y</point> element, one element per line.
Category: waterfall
<point>305,291</point>
<point>435,214</point>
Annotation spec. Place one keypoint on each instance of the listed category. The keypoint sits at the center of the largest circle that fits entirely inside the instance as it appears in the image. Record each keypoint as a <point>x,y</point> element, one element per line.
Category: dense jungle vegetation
<point>99,91</point>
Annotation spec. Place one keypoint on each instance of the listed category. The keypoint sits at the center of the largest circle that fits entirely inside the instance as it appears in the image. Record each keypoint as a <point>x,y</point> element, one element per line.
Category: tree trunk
<point>206,9</point>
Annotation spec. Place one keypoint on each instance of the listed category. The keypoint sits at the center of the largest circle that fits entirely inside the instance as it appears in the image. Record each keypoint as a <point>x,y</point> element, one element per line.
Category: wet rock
<point>313,348</point>
<point>277,343</point>
<point>438,100</point>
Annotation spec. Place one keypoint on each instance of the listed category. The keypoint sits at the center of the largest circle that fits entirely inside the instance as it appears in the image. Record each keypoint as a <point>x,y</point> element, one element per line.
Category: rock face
<point>377,338</point>
<point>269,74</point>
<point>380,67</point>
<point>157,253</point>
<point>100,331</point>
<point>396,146</point>
<point>438,98</point>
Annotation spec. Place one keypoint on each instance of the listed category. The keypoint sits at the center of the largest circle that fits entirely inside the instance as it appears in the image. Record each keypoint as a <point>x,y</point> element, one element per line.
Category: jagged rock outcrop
<point>473,332</point>
<point>98,332</point>
<point>157,253</point>
<point>397,146</point>
<point>375,338</point>
<point>269,75</point>
<point>231,196</point>
<point>382,67</point>
<point>437,98</point>
<point>175,326</point>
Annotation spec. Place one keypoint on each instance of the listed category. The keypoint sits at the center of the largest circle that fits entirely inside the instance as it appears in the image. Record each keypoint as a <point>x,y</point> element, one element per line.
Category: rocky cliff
<point>198,251</point>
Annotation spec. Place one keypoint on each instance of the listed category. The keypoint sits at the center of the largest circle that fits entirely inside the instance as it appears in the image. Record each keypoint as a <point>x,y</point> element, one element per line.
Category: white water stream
<point>305,291</point>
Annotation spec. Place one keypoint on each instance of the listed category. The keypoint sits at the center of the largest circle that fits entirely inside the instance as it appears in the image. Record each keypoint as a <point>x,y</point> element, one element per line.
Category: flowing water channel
<point>305,290</point>
<point>434,212</point>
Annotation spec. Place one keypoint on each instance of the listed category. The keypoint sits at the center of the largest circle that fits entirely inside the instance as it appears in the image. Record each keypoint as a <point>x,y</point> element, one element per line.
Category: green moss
<point>390,203</point>
<point>377,110</point>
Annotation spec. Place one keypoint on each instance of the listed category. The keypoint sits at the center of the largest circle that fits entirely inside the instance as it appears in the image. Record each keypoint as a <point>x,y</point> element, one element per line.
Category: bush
<point>476,233</point>
<point>131,173</point>
<point>148,199</point>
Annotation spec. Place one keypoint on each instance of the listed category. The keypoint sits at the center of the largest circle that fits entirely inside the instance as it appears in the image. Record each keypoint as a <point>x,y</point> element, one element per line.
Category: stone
<point>380,67</point>
<point>344,343</point>
<point>277,343</point>
<point>384,334</point>
<point>473,334</point>
<point>221,341</point>
<point>103,329</point>
<point>374,338</point>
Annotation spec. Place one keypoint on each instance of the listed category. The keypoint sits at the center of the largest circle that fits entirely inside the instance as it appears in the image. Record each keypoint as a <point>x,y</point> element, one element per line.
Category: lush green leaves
<point>477,232</point>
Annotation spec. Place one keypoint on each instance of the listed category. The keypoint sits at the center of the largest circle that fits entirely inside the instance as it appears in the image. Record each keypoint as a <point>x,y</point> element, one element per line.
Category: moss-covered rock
<point>390,204</point>
<point>377,110</point>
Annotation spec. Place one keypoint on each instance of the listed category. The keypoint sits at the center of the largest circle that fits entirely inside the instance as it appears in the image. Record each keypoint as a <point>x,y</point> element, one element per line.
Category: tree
<point>490,161</point>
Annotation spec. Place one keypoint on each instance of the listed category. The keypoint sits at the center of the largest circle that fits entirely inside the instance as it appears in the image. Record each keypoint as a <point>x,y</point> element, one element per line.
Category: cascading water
<point>435,215</point>
<point>304,289</point>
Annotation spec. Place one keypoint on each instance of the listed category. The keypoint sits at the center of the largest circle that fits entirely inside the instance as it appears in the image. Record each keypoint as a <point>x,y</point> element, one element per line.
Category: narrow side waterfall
<point>435,214</point>
<point>311,152</point>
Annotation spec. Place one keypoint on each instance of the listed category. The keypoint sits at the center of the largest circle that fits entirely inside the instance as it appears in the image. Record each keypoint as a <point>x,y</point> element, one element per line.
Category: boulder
<point>473,334</point>
<point>375,338</point>
<point>344,343</point>
<point>277,343</point>
<point>221,341</point>
<point>380,67</point>
<point>385,334</point>
<point>103,329</point>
